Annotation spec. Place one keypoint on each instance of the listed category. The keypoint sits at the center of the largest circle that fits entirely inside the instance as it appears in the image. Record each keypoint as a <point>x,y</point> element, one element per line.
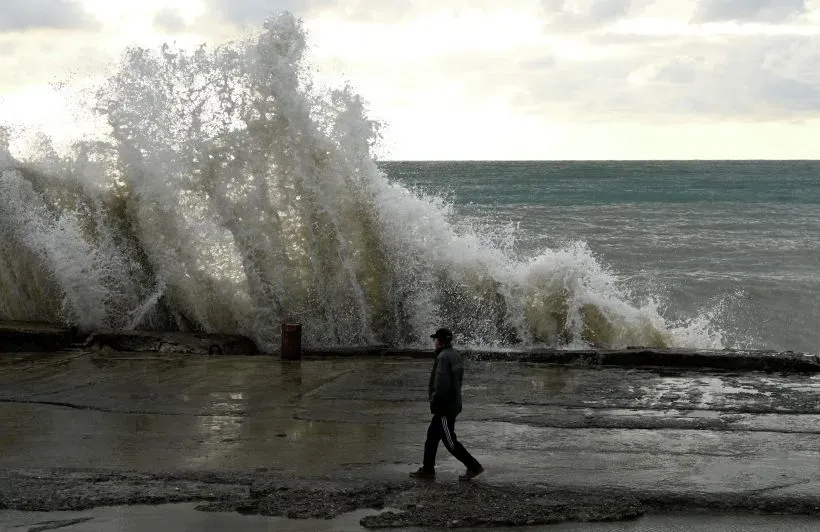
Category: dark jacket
<point>444,389</point>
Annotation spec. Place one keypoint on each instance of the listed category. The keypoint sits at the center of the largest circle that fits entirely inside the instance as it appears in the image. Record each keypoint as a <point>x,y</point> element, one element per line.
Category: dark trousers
<point>442,428</point>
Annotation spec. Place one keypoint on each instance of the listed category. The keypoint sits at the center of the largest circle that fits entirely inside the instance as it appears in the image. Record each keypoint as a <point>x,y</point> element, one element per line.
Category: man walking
<point>444,393</point>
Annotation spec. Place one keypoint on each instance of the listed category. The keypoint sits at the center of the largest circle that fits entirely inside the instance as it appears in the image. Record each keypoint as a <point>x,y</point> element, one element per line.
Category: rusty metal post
<point>291,341</point>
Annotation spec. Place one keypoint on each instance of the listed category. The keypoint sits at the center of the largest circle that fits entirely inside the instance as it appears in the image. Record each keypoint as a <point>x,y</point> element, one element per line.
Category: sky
<point>478,79</point>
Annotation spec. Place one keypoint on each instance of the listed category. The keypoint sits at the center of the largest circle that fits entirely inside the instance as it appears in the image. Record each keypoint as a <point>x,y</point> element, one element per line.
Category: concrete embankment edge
<point>47,338</point>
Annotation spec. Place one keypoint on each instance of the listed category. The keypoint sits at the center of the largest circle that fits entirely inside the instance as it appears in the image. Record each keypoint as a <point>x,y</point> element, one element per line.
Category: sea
<point>736,243</point>
<point>228,193</point>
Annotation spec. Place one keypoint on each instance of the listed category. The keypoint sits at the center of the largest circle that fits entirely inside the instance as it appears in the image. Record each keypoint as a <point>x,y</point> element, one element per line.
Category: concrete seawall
<point>734,360</point>
<point>47,338</point>
<point>33,337</point>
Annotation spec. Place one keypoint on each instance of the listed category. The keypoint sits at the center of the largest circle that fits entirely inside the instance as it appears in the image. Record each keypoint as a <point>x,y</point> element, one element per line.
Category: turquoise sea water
<point>739,241</point>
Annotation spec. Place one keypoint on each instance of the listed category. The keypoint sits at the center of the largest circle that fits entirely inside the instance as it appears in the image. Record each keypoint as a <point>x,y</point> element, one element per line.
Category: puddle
<point>676,523</point>
<point>170,518</point>
<point>177,517</point>
<point>658,414</point>
<point>696,523</point>
<point>700,392</point>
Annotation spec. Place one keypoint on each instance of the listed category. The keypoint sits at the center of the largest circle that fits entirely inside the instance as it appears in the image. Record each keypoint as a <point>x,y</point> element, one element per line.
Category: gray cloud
<point>748,10</point>
<point>30,14</point>
<point>679,70</point>
<point>169,20</point>
<point>630,40</point>
<point>792,94</point>
<point>753,77</point>
<point>374,10</point>
<point>634,77</point>
<point>584,13</point>
<point>745,77</point>
<point>256,11</point>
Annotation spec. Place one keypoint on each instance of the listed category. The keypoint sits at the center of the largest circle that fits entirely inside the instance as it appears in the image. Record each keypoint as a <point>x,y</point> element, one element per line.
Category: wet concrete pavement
<point>219,428</point>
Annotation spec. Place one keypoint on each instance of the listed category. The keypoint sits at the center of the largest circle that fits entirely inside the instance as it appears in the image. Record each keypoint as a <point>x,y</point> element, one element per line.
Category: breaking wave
<point>232,194</point>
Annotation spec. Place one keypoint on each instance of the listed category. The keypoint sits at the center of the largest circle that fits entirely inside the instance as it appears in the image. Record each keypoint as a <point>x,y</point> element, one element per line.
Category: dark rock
<point>27,337</point>
<point>427,505</point>
<point>480,505</point>
<point>173,342</point>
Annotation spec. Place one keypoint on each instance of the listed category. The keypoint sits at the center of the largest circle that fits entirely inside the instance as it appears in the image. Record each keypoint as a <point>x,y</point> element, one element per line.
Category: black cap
<point>443,334</point>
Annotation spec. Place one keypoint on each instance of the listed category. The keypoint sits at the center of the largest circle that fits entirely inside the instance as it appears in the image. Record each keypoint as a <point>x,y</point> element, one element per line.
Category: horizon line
<point>590,160</point>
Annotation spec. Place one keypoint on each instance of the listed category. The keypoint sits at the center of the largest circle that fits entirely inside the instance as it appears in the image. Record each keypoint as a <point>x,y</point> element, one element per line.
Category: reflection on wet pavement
<point>366,417</point>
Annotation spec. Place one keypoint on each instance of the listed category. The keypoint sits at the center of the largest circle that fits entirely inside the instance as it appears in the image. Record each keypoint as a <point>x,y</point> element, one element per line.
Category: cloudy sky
<point>481,79</point>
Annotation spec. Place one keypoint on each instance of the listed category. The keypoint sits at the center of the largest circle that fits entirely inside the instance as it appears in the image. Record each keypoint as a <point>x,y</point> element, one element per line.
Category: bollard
<point>291,341</point>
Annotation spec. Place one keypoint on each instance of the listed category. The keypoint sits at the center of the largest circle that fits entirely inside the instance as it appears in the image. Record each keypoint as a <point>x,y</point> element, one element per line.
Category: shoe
<point>423,473</point>
<point>471,474</point>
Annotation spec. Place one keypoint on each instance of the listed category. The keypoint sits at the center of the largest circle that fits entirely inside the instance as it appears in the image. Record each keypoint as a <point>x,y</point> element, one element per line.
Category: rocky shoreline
<point>406,503</point>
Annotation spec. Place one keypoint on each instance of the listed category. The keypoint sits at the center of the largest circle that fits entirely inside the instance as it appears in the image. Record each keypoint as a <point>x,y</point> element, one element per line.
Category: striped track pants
<point>442,428</point>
